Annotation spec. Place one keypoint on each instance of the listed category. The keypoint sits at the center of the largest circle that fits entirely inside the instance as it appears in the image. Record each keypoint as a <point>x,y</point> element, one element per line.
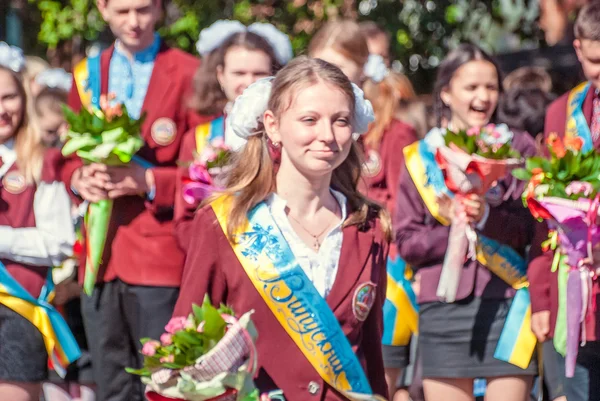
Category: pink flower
<point>175,324</point>
<point>199,173</point>
<point>149,349</point>
<point>208,155</point>
<point>473,131</point>
<point>218,143</point>
<point>190,323</point>
<point>167,359</point>
<point>579,187</point>
<point>166,339</point>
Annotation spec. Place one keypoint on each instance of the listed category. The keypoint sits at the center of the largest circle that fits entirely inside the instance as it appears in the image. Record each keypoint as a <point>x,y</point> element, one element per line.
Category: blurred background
<point>519,32</point>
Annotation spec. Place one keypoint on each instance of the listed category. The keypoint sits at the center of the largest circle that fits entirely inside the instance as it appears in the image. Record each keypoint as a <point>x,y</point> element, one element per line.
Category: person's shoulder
<point>559,104</point>
<point>181,60</point>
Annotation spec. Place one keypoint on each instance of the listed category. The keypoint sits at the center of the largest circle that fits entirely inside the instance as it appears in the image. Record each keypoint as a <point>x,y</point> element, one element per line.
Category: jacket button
<point>313,388</point>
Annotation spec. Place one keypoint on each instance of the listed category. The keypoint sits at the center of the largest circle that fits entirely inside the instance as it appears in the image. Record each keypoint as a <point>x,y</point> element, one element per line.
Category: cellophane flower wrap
<point>472,162</point>
<point>564,190</point>
<point>106,135</point>
<point>209,355</point>
<point>206,172</point>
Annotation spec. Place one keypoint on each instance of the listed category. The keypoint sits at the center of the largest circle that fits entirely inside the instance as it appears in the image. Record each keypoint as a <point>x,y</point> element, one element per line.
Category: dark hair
<point>587,24</point>
<point>524,108</point>
<point>208,97</point>
<point>52,97</point>
<point>458,57</point>
<point>531,77</point>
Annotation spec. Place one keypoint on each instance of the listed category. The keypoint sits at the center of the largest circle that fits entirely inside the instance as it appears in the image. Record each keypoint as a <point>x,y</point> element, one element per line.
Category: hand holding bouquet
<point>107,135</point>
<point>472,162</point>
<point>206,171</point>
<point>565,191</point>
<point>210,355</point>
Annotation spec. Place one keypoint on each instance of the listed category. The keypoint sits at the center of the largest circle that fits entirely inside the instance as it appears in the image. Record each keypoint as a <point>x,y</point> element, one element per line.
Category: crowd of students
<point>326,171</point>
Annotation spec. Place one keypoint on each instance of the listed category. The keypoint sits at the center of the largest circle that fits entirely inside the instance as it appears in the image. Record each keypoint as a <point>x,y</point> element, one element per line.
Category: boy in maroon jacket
<point>138,281</point>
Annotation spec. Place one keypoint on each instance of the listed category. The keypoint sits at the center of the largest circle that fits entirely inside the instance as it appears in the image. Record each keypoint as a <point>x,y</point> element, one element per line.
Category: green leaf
<point>198,313</point>
<point>144,372</point>
<point>521,174</point>
<point>214,325</point>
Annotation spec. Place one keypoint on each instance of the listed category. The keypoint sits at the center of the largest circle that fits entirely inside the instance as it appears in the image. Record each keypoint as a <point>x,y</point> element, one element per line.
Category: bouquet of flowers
<point>206,171</point>
<point>472,162</point>
<point>565,191</point>
<point>105,135</point>
<point>210,355</point>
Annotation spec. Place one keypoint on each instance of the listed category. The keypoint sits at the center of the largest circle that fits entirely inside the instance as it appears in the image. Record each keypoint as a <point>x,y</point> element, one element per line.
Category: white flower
<point>435,138</point>
<point>55,78</point>
<point>363,111</point>
<point>496,134</point>
<point>11,57</point>
<point>279,41</point>
<point>216,34</point>
<point>375,68</point>
<point>248,109</point>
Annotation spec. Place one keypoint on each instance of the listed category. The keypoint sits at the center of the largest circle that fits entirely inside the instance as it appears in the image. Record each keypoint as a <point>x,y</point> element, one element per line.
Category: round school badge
<point>363,300</point>
<point>163,131</point>
<point>372,166</point>
<point>14,182</point>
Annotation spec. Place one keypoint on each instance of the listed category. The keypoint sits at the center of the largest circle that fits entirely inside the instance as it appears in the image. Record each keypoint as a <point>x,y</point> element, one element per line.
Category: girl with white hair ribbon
<point>299,243</point>
<point>234,56</point>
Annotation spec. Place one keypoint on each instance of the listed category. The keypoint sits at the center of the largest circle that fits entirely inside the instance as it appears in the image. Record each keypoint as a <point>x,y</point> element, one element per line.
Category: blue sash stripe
<point>217,128</point>
<point>583,130</point>
<point>303,295</point>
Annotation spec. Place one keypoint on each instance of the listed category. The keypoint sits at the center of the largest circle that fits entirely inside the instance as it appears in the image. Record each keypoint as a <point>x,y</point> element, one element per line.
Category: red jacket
<point>212,268</point>
<point>141,247</point>
<point>16,211</point>
<point>383,166</point>
<point>543,284</point>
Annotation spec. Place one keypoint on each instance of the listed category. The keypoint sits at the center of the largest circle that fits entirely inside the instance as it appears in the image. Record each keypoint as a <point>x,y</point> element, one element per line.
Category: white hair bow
<point>375,68</point>
<point>11,57</point>
<point>216,34</point>
<point>55,78</point>
<point>250,106</point>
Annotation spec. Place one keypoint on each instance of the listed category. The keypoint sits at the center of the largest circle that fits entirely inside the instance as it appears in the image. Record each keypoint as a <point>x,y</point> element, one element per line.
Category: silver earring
<point>276,144</point>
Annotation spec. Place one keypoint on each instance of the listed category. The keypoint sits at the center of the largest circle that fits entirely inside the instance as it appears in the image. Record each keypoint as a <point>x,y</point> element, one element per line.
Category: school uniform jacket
<point>213,268</point>
<point>422,241</point>
<point>382,166</point>
<point>29,247</point>
<point>141,247</point>
<point>543,283</point>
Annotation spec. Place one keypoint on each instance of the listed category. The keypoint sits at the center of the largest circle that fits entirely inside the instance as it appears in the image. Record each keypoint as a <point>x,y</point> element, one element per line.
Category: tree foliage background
<point>422,30</point>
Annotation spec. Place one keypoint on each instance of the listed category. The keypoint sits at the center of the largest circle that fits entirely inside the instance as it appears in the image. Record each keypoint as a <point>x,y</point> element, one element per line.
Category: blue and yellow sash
<point>209,131</point>
<point>517,341</point>
<point>271,266</point>
<point>60,344</point>
<point>400,310</point>
<point>577,125</point>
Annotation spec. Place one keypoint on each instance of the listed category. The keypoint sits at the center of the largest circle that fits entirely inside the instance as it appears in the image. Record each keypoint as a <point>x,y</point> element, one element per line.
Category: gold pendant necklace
<point>317,242</point>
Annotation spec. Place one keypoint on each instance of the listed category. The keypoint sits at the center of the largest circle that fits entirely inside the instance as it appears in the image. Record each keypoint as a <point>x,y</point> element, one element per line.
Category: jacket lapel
<point>355,256</point>
<point>159,81</point>
<point>104,68</point>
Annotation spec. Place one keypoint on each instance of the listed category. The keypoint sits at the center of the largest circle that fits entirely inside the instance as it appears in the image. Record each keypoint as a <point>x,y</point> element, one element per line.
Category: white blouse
<point>51,240</point>
<point>321,267</point>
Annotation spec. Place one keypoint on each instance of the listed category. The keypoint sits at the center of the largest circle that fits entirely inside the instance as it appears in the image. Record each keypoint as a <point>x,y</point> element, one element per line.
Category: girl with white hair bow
<point>234,56</point>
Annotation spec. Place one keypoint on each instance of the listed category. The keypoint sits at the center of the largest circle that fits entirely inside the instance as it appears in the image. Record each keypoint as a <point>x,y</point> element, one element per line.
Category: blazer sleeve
<point>396,163</point>
<point>421,240</point>
<point>539,270</point>
<point>371,341</point>
<point>203,270</point>
<point>73,162</point>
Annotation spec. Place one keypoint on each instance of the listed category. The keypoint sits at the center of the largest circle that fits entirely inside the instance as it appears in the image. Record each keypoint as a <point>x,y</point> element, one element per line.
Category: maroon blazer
<point>543,284</point>
<point>382,167</point>
<point>422,241</point>
<point>141,247</point>
<point>16,211</point>
<point>211,267</point>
